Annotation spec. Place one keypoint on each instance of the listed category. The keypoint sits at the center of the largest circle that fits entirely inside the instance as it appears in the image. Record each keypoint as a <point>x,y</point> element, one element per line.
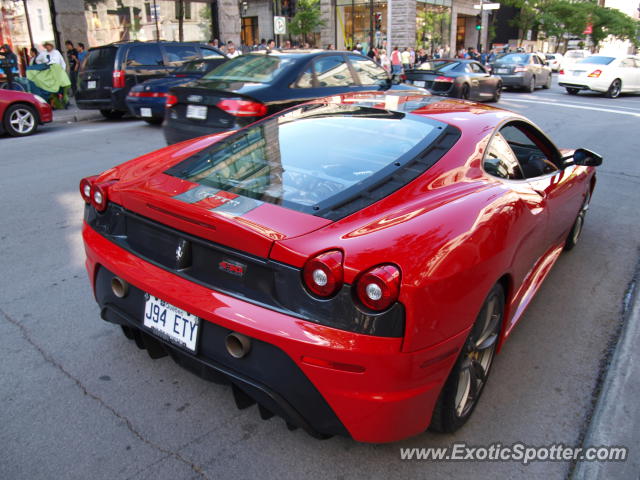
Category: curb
<point>616,418</point>
<point>72,116</point>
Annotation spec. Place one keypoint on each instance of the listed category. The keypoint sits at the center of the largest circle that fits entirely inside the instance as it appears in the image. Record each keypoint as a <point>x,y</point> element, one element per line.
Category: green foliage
<point>307,18</point>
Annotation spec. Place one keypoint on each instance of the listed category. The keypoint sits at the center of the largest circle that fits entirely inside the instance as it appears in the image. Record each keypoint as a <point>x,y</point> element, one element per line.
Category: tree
<point>307,18</point>
<point>180,7</point>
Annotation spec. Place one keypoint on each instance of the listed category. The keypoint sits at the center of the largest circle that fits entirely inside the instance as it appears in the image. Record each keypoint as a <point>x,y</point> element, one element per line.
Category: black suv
<point>108,72</point>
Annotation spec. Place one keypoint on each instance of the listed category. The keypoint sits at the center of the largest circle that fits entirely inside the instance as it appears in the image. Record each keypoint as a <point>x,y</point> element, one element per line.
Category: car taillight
<point>379,287</point>
<point>561,71</point>
<point>444,79</point>
<point>323,273</point>
<point>96,194</point>
<point>171,101</point>
<point>520,69</point>
<point>118,79</point>
<point>85,188</point>
<point>148,94</point>
<point>242,108</point>
<point>595,74</point>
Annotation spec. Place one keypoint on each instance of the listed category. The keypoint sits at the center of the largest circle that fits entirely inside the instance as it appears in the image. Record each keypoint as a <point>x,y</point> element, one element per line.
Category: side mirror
<point>585,158</point>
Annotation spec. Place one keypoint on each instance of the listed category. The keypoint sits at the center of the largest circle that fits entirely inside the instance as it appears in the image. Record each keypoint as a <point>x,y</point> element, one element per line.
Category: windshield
<point>439,66</point>
<point>597,60</point>
<point>513,58</point>
<point>258,68</point>
<point>288,160</point>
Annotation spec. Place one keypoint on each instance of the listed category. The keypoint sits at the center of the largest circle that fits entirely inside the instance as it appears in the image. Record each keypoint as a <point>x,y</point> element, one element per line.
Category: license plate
<point>198,112</point>
<point>577,73</point>
<point>145,112</point>
<point>171,323</point>
<point>92,84</point>
<point>502,70</point>
<point>419,83</point>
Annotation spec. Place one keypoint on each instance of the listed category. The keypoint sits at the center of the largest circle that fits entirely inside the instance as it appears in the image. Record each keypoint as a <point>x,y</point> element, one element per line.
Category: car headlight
<point>41,100</point>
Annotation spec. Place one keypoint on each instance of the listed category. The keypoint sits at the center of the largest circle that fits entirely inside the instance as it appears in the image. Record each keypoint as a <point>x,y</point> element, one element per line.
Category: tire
<point>467,379</point>
<point>614,89</point>
<point>572,91</point>
<point>154,120</point>
<point>464,93</point>
<point>576,229</point>
<point>20,120</point>
<point>497,93</point>
<point>532,85</point>
<point>547,84</point>
<point>112,114</point>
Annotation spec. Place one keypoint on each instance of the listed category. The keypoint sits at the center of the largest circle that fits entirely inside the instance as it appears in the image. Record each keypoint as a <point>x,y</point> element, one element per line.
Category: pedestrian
<point>422,56</point>
<point>271,44</point>
<point>72,61</point>
<point>262,45</point>
<point>9,63</point>
<point>82,52</point>
<point>331,46</point>
<point>214,42</point>
<point>358,49</point>
<point>412,57</point>
<point>406,59</point>
<point>51,55</point>
<point>287,44</point>
<point>396,62</point>
<point>231,50</point>
<point>385,61</point>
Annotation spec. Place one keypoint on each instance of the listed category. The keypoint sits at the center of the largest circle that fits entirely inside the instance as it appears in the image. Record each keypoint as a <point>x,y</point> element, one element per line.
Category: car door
<point>538,70</point>
<point>370,74</point>
<point>541,166</point>
<point>143,62</point>
<point>627,72</point>
<point>482,80</point>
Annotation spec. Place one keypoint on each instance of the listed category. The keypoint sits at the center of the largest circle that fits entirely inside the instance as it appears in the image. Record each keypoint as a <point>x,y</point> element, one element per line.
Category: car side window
<point>306,78</point>
<point>627,63</point>
<point>369,72</point>
<point>333,71</point>
<point>500,161</point>
<point>143,55</point>
<point>535,156</point>
<point>477,68</point>
<point>178,54</point>
<point>209,53</point>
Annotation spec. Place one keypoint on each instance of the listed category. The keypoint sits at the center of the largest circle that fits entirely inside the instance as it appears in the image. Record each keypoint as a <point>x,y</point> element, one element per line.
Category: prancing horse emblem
<point>183,254</point>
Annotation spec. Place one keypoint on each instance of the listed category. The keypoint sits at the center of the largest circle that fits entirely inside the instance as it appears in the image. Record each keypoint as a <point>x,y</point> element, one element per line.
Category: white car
<point>609,75</point>
<point>554,60</point>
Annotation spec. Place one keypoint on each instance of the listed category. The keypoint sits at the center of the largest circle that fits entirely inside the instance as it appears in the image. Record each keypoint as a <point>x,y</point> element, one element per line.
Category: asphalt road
<point>79,401</point>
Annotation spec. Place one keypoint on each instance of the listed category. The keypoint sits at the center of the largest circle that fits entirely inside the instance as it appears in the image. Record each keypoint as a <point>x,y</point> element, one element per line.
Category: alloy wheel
<point>614,89</point>
<point>22,121</point>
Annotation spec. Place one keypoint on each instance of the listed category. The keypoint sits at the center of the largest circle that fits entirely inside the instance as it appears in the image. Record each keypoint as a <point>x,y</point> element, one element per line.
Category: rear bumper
<point>388,397</point>
<point>157,106</point>
<point>177,131</point>
<point>514,80</point>
<point>581,84</point>
<point>115,101</point>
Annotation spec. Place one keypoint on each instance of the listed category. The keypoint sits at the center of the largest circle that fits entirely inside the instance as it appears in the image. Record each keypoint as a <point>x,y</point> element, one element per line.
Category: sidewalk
<point>616,419</point>
<point>74,114</point>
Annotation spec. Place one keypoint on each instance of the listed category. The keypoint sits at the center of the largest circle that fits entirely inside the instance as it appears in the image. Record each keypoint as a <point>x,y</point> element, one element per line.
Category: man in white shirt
<point>52,56</point>
<point>231,50</point>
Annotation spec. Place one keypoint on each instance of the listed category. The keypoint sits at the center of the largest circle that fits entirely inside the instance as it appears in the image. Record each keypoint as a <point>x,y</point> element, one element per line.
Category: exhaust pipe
<point>119,287</point>
<point>237,345</point>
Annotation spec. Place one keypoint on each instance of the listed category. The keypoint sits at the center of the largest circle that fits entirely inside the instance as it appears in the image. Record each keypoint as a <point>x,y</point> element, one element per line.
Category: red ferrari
<point>351,265</point>
<point>21,112</point>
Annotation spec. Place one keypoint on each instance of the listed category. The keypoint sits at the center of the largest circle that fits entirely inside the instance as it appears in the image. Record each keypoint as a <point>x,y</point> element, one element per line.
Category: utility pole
<point>26,14</point>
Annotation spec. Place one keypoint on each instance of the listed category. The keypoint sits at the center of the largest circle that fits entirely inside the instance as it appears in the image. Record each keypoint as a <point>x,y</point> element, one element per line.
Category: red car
<point>21,112</point>
<point>351,264</point>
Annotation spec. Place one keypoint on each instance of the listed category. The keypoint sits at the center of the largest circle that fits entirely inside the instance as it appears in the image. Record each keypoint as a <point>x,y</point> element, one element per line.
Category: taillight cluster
<point>171,101</point>
<point>595,74</point>
<point>520,69</point>
<point>118,79</point>
<point>96,194</point>
<point>242,108</point>
<point>561,71</point>
<point>376,288</point>
<point>444,79</point>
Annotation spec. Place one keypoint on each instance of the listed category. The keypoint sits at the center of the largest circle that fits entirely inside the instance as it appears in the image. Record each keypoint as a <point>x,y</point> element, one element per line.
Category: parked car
<point>522,70</point>
<point>465,79</point>
<point>573,56</point>
<point>147,100</point>
<point>351,264</point>
<point>605,74</point>
<point>251,86</point>
<point>108,72</point>
<point>21,112</point>
<point>554,60</point>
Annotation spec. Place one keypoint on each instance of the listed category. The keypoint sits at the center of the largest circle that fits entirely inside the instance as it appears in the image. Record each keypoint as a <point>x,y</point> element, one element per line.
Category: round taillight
<point>323,273</point>
<point>99,198</point>
<point>379,287</point>
<point>85,188</point>
<point>171,100</point>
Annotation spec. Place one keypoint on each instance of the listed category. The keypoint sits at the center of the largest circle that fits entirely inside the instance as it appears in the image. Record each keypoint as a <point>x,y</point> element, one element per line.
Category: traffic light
<point>478,22</point>
<point>378,20</point>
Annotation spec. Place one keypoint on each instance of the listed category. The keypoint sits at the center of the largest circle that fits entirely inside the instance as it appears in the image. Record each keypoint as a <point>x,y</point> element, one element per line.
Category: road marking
<point>594,101</point>
<point>570,105</point>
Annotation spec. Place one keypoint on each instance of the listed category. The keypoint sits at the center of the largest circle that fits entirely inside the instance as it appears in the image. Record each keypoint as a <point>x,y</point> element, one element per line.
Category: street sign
<point>279,25</point>
<point>588,29</point>
<point>487,6</point>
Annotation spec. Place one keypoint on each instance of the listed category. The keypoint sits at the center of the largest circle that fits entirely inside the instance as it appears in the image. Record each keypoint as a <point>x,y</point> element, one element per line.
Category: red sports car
<point>351,265</point>
<point>21,112</point>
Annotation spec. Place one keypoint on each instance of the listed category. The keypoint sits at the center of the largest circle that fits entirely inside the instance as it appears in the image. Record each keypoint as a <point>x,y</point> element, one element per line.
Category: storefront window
<point>433,26</point>
<point>124,20</point>
<point>356,20</point>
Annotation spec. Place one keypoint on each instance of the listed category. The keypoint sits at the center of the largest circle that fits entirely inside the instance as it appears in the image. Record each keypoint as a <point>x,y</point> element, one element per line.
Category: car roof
<point>302,54</point>
<point>150,42</point>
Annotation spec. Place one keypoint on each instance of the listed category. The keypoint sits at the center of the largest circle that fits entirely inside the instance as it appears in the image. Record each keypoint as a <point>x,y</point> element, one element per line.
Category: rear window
<point>439,66</point>
<point>250,68</point>
<point>288,161</point>
<point>100,59</point>
<point>513,58</point>
<point>598,60</point>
